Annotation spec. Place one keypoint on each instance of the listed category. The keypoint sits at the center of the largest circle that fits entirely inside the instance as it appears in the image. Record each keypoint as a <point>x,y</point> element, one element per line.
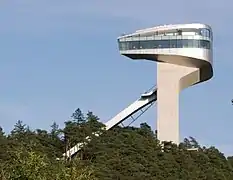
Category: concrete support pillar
<point>171,79</point>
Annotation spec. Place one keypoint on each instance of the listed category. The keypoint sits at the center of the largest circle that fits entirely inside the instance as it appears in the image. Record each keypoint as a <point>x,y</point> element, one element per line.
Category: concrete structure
<point>183,53</point>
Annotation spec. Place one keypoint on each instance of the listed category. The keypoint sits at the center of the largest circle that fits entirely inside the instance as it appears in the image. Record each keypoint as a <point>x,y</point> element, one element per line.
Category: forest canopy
<point>129,153</point>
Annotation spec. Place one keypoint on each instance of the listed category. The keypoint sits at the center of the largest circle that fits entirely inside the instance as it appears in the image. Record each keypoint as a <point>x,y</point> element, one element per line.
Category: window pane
<point>172,43</point>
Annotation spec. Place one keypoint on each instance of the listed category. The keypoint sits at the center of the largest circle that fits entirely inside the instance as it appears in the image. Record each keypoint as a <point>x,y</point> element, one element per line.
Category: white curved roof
<point>169,27</point>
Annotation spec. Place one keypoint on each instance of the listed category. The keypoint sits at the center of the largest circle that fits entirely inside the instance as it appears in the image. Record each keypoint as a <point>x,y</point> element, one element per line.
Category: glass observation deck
<point>201,38</point>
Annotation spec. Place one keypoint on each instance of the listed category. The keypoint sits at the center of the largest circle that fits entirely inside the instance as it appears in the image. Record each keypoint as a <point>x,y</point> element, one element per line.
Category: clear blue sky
<point>58,55</point>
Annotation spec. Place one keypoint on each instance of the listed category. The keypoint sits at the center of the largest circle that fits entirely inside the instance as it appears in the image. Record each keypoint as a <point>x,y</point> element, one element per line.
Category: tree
<point>3,145</point>
<point>55,131</point>
<point>145,129</point>
<point>194,142</point>
<point>75,131</point>
<point>187,144</point>
<point>1,132</point>
<point>78,116</point>
<point>19,128</point>
<point>92,124</point>
<point>128,153</point>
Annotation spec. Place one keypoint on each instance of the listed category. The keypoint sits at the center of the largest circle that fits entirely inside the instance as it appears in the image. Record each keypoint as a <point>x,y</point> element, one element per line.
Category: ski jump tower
<point>183,53</point>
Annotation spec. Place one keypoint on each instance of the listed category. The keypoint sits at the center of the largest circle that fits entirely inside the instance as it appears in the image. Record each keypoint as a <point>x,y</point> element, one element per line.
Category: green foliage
<point>119,154</point>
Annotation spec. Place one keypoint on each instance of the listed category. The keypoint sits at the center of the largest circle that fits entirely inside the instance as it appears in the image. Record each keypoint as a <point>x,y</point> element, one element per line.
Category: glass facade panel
<point>202,33</point>
<point>206,33</point>
<point>160,44</point>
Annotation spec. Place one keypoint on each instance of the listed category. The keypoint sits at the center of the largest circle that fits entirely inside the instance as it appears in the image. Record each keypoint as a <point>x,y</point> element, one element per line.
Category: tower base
<point>171,79</point>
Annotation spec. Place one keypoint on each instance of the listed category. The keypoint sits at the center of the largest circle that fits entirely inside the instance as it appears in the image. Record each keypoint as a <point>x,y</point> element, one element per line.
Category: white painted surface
<point>177,68</point>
